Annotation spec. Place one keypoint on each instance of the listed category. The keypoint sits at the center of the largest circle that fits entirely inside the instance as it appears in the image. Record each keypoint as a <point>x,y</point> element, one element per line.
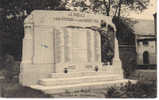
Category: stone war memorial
<point>61,53</point>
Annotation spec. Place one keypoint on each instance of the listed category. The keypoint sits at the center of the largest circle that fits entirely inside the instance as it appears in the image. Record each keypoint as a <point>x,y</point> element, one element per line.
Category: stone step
<point>78,80</point>
<point>76,74</point>
<point>81,86</point>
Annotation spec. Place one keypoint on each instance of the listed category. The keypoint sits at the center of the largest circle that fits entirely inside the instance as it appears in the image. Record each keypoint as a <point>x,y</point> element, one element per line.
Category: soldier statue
<point>107,41</point>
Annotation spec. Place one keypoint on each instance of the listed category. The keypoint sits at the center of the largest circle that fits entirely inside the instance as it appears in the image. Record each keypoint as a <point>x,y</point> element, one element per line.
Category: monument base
<point>31,73</point>
<point>61,82</point>
<point>79,87</point>
<point>44,79</point>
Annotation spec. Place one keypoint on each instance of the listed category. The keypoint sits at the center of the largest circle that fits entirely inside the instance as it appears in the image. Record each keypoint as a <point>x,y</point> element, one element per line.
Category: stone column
<point>90,46</point>
<point>116,49</point>
<point>117,64</point>
<point>67,45</point>
<point>116,60</point>
<point>27,44</point>
<point>97,46</point>
<point>59,45</point>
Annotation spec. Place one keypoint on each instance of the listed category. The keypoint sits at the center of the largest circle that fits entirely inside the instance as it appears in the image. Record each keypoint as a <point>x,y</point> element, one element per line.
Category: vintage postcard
<point>78,48</point>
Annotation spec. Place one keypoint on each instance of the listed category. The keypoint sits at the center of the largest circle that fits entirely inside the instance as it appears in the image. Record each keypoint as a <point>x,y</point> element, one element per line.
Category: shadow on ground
<point>12,89</point>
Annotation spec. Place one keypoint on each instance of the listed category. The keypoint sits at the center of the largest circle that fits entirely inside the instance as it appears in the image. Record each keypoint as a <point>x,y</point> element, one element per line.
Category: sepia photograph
<point>78,49</point>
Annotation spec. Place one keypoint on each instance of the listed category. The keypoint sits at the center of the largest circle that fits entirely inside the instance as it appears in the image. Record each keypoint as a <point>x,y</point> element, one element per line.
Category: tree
<point>12,15</point>
<point>118,9</point>
<point>107,7</point>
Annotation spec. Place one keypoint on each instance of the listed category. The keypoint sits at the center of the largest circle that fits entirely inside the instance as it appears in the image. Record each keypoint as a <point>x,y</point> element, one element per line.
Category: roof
<point>144,27</point>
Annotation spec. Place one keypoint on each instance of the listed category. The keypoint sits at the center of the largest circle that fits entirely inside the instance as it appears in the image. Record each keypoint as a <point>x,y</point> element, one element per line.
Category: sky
<point>146,14</point>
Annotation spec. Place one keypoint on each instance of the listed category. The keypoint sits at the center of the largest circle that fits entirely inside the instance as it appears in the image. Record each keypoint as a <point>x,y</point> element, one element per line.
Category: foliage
<point>1,63</point>
<point>13,89</point>
<point>106,7</point>
<point>125,34</point>
<point>128,58</point>
<point>11,68</point>
<point>13,13</point>
<point>138,90</point>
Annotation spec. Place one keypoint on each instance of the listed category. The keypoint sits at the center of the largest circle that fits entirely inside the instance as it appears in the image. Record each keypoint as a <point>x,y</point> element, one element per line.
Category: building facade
<point>145,43</point>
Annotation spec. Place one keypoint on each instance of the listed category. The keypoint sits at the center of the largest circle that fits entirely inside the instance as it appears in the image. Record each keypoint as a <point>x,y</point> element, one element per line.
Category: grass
<point>139,90</point>
<point>13,89</point>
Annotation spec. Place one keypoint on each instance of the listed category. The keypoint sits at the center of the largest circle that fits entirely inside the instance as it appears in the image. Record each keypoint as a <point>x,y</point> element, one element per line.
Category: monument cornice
<point>48,17</point>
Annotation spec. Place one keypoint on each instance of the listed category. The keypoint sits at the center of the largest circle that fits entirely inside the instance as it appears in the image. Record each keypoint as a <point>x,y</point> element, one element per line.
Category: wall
<point>150,48</point>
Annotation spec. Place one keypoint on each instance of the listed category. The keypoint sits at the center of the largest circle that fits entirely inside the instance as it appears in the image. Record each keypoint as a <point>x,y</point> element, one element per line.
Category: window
<point>145,42</point>
<point>146,57</point>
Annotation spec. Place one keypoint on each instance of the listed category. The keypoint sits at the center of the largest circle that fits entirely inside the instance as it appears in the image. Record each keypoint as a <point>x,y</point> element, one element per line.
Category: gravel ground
<point>96,93</point>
